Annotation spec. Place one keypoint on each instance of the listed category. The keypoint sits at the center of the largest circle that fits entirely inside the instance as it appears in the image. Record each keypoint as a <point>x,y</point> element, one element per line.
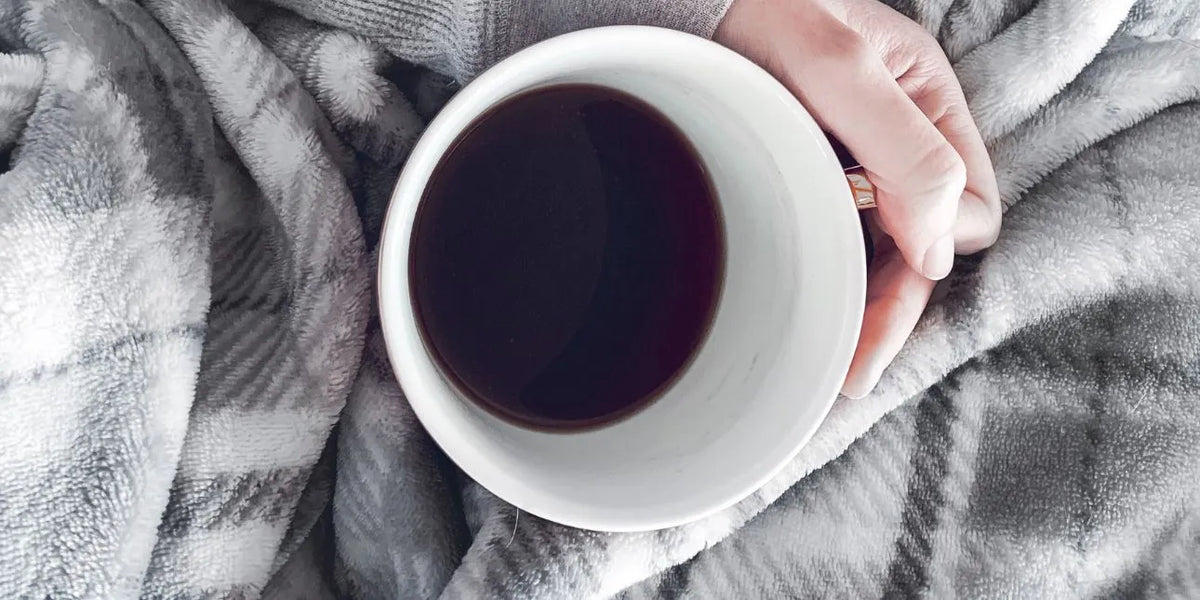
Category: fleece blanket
<point>195,401</point>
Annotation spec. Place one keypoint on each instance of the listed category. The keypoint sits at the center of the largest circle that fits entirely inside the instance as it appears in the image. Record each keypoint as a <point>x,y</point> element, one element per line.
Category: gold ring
<point>860,187</point>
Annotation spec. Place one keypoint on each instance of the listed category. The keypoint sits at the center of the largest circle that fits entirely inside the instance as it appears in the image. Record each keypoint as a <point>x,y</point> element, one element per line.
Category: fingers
<point>941,99</point>
<point>884,88</point>
<point>921,68</point>
<point>896,297</point>
<point>918,174</point>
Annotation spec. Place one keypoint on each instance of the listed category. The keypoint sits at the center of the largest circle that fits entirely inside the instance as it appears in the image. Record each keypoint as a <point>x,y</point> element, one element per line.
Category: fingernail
<point>858,387</point>
<point>939,258</point>
<point>855,392</point>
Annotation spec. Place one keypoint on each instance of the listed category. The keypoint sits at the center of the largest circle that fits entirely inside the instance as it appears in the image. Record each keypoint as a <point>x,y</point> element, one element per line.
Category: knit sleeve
<point>463,37</point>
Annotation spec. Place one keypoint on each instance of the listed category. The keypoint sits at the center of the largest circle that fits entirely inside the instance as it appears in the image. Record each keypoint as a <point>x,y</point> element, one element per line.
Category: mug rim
<point>386,268</point>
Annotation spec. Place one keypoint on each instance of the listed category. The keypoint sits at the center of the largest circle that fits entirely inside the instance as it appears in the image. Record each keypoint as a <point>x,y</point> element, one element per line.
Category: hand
<point>881,85</point>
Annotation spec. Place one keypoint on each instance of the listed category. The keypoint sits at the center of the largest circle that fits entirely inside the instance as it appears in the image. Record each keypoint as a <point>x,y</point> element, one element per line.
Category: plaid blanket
<point>195,401</point>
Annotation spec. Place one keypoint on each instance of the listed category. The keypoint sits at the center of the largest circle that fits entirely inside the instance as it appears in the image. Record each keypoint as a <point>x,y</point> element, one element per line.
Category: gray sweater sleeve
<point>462,37</point>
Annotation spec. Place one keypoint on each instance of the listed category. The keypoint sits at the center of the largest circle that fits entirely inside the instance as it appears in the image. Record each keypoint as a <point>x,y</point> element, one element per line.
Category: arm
<point>463,37</point>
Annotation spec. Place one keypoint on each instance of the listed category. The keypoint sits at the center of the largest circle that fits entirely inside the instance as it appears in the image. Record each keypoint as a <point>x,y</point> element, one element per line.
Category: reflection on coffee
<point>567,257</point>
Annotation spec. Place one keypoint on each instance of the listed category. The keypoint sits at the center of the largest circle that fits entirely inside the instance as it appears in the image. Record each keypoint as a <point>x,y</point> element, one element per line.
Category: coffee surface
<point>567,257</point>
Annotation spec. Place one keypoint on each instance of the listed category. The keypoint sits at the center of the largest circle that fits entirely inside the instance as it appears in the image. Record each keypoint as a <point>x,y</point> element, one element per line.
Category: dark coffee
<point>567,257</point>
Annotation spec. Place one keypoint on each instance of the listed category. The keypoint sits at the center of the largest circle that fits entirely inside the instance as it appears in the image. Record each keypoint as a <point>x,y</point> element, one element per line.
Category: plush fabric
<point>195,401</point>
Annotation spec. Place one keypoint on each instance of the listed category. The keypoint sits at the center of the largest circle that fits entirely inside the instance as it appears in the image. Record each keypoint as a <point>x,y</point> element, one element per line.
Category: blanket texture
<point>195,401</point>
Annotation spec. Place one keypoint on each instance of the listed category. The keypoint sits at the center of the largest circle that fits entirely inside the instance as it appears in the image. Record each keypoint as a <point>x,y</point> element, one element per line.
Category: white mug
<point>784,330</point>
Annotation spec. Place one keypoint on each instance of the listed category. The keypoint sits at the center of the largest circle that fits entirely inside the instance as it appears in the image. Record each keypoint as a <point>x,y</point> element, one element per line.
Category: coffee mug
<point>784,331</point>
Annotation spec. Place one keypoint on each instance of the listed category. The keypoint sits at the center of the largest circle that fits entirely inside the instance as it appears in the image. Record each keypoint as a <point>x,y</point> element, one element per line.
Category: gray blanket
<point>195,402</point>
